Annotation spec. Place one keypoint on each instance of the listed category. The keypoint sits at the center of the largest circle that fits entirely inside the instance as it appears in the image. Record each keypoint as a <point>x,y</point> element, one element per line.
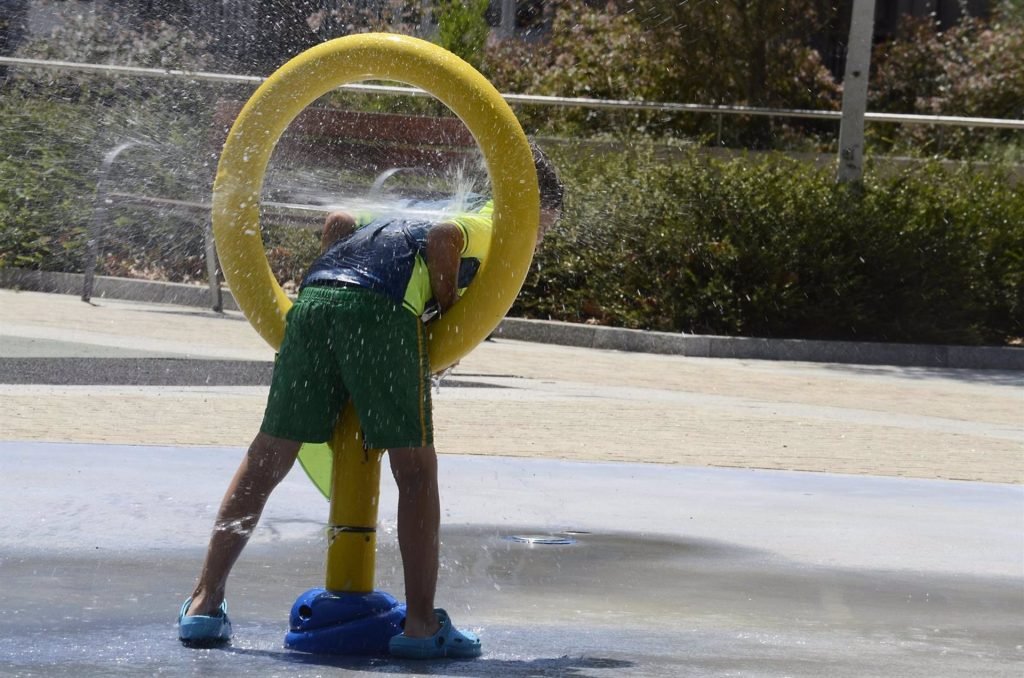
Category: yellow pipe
<point>352,528</point>
<point>354,478</point>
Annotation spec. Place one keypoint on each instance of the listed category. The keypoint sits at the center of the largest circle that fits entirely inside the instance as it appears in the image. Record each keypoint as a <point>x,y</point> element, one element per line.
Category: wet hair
<point>550,186</point>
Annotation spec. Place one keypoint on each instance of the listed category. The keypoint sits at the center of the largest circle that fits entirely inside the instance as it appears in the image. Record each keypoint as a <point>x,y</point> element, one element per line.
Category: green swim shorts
<point>346,342</point>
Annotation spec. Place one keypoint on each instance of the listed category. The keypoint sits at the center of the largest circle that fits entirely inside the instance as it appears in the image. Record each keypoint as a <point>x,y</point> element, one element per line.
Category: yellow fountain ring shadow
<point>376,56</point>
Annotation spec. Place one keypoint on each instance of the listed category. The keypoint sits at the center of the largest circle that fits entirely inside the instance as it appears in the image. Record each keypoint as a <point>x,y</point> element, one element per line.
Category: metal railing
<point>538,100</point>
<point>286,214</point>
<point>105,199</point>
<point>301,216</point>
<point>304,215</point>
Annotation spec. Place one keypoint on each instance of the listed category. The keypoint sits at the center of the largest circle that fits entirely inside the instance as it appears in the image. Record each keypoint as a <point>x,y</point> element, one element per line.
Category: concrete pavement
<point>676,566</point>
<point>516,398</point>
<point>672,570</point>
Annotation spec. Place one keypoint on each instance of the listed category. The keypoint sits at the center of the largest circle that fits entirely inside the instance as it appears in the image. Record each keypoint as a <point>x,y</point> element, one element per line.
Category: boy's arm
<point>338,226</point>
<point>443,253</point>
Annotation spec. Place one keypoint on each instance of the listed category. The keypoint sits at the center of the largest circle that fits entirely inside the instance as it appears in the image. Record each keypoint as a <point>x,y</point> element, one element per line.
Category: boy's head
<point>551,190</point>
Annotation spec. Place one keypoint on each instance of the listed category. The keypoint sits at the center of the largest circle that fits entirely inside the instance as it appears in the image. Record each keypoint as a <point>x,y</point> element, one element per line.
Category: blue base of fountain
<point>326,622</point>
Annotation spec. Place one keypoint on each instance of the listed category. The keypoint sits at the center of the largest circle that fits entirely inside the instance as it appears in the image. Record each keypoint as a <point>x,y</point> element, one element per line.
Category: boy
<point>356,332</point>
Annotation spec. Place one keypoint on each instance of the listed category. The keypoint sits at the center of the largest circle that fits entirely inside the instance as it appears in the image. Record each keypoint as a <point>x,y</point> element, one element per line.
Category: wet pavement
<point>840,543</point>
<point>672,571</point>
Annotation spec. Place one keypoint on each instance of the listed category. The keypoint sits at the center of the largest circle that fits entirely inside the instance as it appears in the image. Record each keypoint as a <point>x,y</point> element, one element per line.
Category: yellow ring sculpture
<point>310,75</point>
<point>350,478</point>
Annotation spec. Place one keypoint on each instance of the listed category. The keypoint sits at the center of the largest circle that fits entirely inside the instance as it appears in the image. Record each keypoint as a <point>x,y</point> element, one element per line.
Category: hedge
<point>772,247</point>
<point>758,245</point>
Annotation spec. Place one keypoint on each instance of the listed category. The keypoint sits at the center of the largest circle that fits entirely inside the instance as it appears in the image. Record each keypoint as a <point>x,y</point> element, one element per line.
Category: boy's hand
<point>444,251</point>
<point>338,226</point>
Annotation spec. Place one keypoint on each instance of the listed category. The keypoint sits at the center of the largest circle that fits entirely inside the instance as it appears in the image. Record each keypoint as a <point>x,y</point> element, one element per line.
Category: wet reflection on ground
<point>614,601</point>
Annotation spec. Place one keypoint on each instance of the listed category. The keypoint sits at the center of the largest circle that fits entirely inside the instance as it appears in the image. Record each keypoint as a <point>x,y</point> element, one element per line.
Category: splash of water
<point>459,189</point>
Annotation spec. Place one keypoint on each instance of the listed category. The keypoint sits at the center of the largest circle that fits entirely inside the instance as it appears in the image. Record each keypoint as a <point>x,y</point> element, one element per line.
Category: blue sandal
<point>447,642</point>
<point>200,630</point>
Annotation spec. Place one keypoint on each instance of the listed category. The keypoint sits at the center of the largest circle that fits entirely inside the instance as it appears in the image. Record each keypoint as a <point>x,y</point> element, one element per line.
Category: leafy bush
<point>462,28</point>
<point>50,159</point>
<point>44,197</point>
<point>709,53</point>
<point>972,69</point>
<point>772,247</point>
<point>58,127</point>
<point>660,238</point>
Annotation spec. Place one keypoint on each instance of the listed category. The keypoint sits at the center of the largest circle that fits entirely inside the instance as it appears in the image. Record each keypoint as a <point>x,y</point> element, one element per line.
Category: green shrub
<point>972,69</point>
<point>45,198</point>
<point>462,28</point>
<point>59,125</point>
<point>773,247</point>
<point>50,158</point>
<point>690,52</point>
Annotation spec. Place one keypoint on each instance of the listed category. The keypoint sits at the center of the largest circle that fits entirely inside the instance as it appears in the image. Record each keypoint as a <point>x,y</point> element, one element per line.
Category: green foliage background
<point>735,53</point>
<point>771,246</point>
<point>57,127</point>
<point>660,232</point>
<point>755,53</point>
<point>44,194</point>
<point>971,70</point>
<point>462,29</point>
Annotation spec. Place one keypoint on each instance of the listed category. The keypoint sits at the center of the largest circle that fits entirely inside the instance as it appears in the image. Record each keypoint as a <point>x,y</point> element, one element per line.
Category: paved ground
<point>535,400</point>
<point>677,569</point>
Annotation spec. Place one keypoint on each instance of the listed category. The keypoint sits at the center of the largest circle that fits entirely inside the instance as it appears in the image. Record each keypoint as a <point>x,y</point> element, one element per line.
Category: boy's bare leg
<point>419,521</point>
<point>265,465</point>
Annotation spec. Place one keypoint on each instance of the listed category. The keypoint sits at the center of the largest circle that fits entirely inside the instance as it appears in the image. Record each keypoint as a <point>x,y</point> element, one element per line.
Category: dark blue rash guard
<point>389,256</point>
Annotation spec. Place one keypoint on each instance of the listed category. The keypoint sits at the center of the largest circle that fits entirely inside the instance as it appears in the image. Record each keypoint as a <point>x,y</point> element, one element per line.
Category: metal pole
<point>536,99</point>
<point>508,19</point>
<point>855,92</point>
<point>426,17</point>
<point>212,268</point>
